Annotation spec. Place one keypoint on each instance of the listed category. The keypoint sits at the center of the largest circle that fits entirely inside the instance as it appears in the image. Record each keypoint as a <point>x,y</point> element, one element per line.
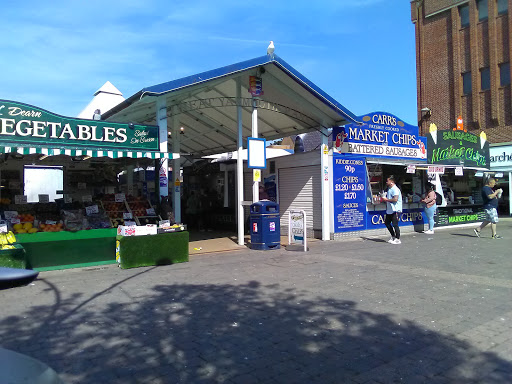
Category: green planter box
<point>13,258</point>
<point>161,249</point>
<point>60,250</point>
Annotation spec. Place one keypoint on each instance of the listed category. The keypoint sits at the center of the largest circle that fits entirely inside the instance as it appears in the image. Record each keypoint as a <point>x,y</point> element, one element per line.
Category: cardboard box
<point>123,230</point>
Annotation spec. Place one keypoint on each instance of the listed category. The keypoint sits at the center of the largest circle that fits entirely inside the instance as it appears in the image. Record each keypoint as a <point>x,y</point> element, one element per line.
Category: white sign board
<point>459,171</point>
<point>44,198</point>
<point>256,152</point>
<point>91,210</point>
<point>436,169</point>
<point>297,228</point>
<point>20,199</point>
<point>120,197</point>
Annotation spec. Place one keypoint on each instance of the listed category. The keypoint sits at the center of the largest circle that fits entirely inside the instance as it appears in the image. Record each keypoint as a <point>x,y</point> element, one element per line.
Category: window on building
<point>483,10</point>
<point>502,6</point>
<point>485,78</point>
<point>466,83</point>
<point>464,16</point>
<point>505,74</point>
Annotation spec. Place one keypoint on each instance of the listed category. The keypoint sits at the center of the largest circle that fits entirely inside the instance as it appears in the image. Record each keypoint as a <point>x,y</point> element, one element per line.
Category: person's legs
<point>387,222</point>
<point>395,225</point>
<point>493,229</point>
<point>429,212</point>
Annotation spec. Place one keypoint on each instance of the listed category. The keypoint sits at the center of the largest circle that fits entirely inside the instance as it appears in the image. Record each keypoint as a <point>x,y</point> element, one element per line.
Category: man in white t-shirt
<point>393,201</point>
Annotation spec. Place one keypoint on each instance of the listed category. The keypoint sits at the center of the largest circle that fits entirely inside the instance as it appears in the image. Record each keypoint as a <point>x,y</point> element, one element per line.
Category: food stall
<point>67,185</point>
<point>458,162</point>
<point>364,155</point>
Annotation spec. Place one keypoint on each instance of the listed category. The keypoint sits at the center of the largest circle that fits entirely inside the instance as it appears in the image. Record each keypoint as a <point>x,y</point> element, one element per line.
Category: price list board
<point>349,193</point>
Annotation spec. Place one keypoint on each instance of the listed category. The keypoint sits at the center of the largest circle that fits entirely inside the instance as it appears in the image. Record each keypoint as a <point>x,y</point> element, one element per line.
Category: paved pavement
<point>435,309</point>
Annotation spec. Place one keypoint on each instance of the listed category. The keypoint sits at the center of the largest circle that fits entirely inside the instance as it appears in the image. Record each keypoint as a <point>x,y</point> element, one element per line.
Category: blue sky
<point>56,54</point>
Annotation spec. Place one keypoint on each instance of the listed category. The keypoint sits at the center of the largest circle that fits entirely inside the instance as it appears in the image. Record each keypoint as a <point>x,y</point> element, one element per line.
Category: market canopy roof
<point>206,105</point>
<point>85,152</point>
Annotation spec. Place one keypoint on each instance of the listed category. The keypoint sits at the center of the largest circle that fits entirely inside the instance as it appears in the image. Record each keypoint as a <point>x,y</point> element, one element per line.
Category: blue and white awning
<point>88,152</point>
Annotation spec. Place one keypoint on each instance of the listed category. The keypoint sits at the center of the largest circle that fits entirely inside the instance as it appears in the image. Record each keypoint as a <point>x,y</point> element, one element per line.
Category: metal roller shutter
<point>300,188</point>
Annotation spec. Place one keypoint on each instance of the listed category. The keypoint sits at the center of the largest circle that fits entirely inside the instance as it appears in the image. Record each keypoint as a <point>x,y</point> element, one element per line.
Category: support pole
<point>239,165</point>
<point>163,174</point>
<point>509,190</point>
<point>324,165</point>
<point>255,184</point>
<point>176,169</point>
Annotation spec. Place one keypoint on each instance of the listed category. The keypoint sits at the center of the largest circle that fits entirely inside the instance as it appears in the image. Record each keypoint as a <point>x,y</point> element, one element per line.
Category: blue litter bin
<point>265,225</point>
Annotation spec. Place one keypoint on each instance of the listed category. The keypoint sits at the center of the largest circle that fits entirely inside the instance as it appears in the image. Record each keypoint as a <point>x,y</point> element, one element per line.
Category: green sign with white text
<point>26,125</point>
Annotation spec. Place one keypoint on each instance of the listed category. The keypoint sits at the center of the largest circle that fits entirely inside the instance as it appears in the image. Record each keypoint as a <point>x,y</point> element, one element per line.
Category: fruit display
<point>51,227</point>
<point>24,228</point>
<point>117,222</point>
<point>115,210</point>
<point>96,220</point>
<point>5,201</point>
<point>6,240</point>
<point>26,218</point>
<point>139,207</point>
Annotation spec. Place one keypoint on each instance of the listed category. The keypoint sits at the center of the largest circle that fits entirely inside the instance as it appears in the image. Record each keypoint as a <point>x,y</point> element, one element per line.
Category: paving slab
<point>435,309</point>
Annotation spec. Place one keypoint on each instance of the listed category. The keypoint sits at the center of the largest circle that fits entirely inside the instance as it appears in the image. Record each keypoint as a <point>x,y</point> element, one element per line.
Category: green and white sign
<point>23,124</point>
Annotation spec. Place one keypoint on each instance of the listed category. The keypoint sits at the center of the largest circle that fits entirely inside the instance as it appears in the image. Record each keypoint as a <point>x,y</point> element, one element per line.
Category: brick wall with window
<point>463,51</point>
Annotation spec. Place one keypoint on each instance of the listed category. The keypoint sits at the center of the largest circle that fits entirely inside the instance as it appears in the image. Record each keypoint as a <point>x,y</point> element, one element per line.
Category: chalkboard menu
<point>349,174</point>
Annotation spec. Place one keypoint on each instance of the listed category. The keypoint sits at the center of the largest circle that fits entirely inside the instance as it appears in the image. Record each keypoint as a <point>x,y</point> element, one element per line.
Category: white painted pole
<point>161,118</point>
<point>176,168</point>
<point>255,184</point>
<point>324,165</point>
<point>239,165</point>
<point>509,191</point>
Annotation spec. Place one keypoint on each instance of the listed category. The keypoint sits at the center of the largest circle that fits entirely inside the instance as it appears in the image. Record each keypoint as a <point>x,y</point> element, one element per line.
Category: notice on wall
<point>349,175</point>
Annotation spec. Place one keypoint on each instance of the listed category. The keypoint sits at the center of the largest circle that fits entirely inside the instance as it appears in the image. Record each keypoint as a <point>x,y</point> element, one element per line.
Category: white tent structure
<point>105,98</point>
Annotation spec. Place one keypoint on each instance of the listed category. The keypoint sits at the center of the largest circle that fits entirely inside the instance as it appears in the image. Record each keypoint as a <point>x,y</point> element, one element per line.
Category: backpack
<point>439,199</point>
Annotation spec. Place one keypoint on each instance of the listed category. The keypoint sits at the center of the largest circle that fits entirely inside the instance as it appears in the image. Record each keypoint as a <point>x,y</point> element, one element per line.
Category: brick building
<point>463,51</point>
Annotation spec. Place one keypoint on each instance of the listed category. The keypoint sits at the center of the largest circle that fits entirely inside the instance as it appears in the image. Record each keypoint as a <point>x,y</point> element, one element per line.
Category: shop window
<point>464,16</point>
<point>43,181</point>
<point>505,74</point>
<point>485,77</point>
<point>502,6</point>
<point>466,83</point>
<point>483,10</point>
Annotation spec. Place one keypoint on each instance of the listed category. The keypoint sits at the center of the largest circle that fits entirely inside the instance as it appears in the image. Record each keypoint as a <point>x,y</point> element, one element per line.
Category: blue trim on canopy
<point>184,82</point>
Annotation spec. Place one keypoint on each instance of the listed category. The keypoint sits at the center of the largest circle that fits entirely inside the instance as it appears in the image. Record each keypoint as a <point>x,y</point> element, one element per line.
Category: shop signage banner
<point>23,124</point>
<point>413,216</point>
<point>349,176</point>
<point>380,135</point>
<point>459,215</point>
<point>453,147</point>
<point>501,156</point>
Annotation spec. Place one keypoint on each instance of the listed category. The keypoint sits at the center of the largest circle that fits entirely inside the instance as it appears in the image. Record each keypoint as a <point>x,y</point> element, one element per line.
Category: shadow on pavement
<point>377,240</point>
<point>241,333</point>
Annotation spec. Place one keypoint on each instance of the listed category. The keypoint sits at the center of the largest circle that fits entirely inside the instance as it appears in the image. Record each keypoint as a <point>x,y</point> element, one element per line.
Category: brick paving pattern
<point>436,309</point>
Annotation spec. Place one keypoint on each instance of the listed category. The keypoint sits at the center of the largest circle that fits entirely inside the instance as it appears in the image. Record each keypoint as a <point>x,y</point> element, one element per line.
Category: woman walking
<point>430,207</point>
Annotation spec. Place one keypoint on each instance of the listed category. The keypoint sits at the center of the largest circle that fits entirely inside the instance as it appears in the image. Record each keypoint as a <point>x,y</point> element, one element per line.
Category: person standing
<point>490,198</point>
<point>393,200</point>
<point>430,207</point>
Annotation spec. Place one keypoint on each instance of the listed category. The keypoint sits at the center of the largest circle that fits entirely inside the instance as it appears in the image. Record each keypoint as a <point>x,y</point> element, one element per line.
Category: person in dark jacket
<point>490,198</point>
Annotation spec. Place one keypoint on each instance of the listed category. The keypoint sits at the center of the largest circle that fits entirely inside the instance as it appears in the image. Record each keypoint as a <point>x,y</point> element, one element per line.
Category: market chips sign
<point>27,125</point>
<point>456,147</point>
<point>380,135</point>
